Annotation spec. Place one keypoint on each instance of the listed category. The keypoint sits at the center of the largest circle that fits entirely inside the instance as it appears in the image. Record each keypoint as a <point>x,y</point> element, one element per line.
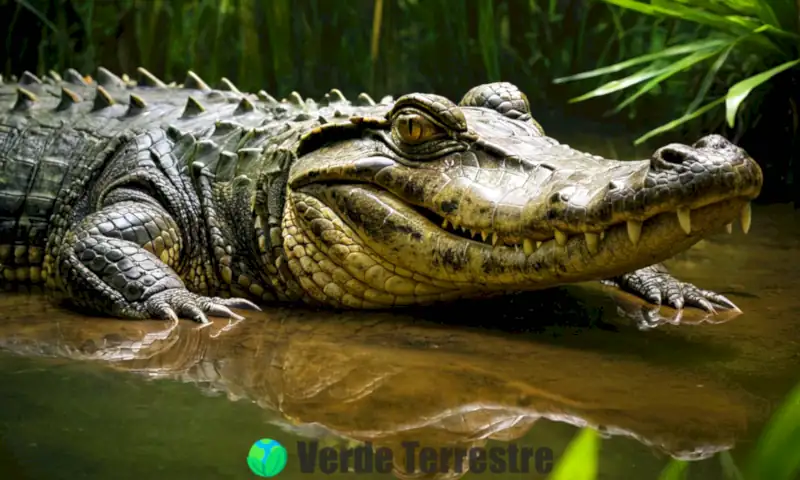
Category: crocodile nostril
<point>671,155</point>
<point>676,154</point>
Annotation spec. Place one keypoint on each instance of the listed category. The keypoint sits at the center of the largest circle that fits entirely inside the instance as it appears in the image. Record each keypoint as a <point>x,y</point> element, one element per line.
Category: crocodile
<point>141,199</point>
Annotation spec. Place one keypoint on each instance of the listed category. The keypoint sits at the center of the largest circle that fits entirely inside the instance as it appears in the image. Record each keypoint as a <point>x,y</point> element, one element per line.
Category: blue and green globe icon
<point>267,458</point>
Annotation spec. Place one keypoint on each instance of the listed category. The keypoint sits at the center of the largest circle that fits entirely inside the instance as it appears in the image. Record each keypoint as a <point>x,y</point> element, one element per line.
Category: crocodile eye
<point>412,128</point>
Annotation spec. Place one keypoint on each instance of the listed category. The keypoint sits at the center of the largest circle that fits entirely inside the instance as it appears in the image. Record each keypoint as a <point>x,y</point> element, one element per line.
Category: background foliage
<point>448,46</point>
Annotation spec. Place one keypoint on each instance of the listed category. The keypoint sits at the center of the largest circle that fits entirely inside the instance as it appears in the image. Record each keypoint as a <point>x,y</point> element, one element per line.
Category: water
<point>84,397</point>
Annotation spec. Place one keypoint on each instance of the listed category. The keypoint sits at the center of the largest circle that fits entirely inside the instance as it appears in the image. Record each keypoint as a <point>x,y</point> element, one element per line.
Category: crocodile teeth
<point>685,219</point>
<point>592,239</point>
<point>602,235</point>
<point>634,231</point>
<point>527,246</point>
<point>444,223</point>
<point>561,237</point>
<point>729,228</point>
<point>258,222</point>
<point>484,235</point>
<point>746,217</point>
<point>538,244</point>
<point>494,239</point>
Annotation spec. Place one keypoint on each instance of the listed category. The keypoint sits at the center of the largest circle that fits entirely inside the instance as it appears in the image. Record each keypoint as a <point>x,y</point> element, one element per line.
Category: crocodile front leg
<point>122,261</point>
<point>656,285</point>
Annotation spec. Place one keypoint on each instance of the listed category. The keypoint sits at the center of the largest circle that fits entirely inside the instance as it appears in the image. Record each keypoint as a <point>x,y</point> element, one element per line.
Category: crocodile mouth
<point>591,239</point>
<point>415,238</point>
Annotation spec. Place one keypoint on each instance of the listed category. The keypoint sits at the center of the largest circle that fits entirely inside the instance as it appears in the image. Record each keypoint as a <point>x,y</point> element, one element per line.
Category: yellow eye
<point>413,128</point>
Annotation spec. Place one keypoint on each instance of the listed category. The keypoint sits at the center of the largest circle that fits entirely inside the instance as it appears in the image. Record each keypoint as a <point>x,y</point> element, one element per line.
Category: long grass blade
<point>691,14</point>
<point>729,469</point>
<point>738,92</point>
<point>709,77</point>
<point>616,85</point>
<point>39,14</point>
<point>675,470</point>
<point>775,455</point>
<point>678,121</point>
<point>487,39</point>
<point>679,66</point>
<point>682,49</point>
<point>579,461</point>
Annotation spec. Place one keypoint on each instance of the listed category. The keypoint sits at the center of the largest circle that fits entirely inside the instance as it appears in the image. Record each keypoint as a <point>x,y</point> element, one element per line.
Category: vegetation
<point>697,66</point>
<point>774,456</point>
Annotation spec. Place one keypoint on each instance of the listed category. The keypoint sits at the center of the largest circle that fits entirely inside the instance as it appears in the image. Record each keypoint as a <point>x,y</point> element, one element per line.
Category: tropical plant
<point>774,456</point>
<point>742,44</point>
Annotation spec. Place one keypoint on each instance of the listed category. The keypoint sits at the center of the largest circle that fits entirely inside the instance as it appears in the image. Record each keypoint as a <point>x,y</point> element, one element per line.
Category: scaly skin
<point>157,201</point>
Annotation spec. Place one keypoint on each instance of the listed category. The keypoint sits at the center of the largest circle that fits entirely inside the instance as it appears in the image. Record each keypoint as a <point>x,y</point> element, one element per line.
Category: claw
<point>720,300</point>
<point>240,303</point>
<point>222,311</point>
<point>705,305</point>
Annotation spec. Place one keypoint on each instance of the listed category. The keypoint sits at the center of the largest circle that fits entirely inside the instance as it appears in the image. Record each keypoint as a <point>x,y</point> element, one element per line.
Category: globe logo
<point>267,458</point>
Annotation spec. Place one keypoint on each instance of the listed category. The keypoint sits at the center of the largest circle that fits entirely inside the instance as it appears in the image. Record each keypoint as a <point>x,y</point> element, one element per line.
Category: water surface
<point>84,397</point>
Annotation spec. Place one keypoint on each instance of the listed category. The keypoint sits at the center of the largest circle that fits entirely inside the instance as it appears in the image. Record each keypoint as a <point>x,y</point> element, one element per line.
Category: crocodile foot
<point>657,286</point>
<point>175,302</point>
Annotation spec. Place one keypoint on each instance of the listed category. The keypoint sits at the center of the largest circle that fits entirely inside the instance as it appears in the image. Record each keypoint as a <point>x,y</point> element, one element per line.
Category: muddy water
<point>84,397</point>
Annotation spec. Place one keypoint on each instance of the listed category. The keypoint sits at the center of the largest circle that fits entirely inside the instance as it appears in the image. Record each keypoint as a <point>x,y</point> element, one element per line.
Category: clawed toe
<point>173,303</point>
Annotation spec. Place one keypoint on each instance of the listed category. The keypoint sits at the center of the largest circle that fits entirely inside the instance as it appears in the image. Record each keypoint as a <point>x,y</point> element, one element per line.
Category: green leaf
<point>729,469</point>
<point>682,12</point>
<point>676,67</point>
<point>580,458</point>
<point>775,455</point>
<point>683,49</point>
<point>675,470</point>
<point>678,121</point>
<point>623,83</point>
<point>708,80</point>
<point>740,91</point>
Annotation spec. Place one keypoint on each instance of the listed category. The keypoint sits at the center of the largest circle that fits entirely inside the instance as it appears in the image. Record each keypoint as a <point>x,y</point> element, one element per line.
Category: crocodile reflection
<point>392,380</point>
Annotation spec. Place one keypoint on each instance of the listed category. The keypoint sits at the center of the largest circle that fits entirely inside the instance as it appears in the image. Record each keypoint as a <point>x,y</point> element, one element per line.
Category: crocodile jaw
<point>386,253</point>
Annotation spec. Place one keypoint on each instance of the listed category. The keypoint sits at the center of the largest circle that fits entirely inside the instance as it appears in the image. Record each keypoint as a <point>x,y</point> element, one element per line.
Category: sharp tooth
<point>746,217</point>
<point>444,223</point>
<point>685,219</point>
<point>484,235</point>
<point>634,231</point>
<point>494,239</point>
<point>561,237</point>
<point>602,235</point>
<point>538,244</point>
<point>455,226</point>
<point>591,241</point>
<point>729,228</point>
<point>527,246</point>
<point>258,222</point>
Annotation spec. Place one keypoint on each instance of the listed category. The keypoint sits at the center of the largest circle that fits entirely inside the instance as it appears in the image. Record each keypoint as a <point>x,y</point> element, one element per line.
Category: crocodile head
<point>431,201</point>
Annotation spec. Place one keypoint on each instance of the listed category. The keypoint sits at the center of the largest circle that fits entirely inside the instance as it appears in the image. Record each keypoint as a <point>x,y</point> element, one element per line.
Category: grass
<point>379,46</point>
<point>774,456</point>
<point>744,46</point>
